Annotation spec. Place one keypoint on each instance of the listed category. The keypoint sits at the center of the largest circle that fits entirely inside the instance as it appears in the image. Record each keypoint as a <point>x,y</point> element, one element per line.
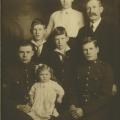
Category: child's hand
<point>59,100</point>
<point>25,108</point>
<point>20,107</point>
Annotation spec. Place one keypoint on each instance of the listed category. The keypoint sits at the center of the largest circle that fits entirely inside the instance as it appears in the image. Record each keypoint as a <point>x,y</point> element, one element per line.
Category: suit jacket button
<point>86,100</point>
<point>88,73</point>
<point>89,67</point>
<point>27,81</point>
<point>18,82</point>
<point>87,78</point>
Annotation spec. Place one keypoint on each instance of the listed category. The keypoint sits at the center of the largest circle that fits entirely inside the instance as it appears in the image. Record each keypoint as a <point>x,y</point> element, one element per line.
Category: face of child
<point>61,41</point>
<point>66,3</point>
<point>44,76</point>
<point>90,51</point>
<point>38,32</point>
<point>94,10</point>
<point>25,54</point>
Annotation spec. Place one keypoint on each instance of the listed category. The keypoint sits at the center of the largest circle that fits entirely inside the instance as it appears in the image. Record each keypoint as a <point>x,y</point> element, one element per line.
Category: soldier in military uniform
<point>91,88</point>
<point>19,79</point>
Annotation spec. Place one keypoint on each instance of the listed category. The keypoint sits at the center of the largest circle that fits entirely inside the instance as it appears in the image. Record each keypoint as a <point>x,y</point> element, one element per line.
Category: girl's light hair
<point>41,67</point>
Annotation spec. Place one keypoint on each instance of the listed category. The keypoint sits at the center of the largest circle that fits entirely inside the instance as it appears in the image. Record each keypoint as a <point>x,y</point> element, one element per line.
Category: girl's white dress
<point>44,97</point>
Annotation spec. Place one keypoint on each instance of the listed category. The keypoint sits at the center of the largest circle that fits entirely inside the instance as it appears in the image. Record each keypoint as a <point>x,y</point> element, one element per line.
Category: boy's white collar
<point>60,51</point>
<point>38,44</point>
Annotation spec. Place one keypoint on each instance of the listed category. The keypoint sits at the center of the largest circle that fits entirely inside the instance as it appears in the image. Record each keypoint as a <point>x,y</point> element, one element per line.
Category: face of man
<point>38,32</point>
<point>25,53</point>
<point>61,41</point>
<point>66,3</point>
<point>90,51</point>
<point>94,10</point>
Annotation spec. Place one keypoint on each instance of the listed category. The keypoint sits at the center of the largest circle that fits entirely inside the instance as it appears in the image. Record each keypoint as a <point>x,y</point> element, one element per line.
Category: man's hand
<point>76,112</point>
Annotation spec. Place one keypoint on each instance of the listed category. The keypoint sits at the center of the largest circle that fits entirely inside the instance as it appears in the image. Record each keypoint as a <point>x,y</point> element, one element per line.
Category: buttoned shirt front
<point>89,78</point>
<point>70,19</point>
<point>95,24</point>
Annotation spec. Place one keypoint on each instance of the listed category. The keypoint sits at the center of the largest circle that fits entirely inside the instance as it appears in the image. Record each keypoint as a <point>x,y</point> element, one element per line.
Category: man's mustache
<point>92,14</point>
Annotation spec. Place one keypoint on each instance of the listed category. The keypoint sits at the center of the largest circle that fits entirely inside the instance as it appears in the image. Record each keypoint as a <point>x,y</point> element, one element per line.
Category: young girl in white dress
<point>44,94</point>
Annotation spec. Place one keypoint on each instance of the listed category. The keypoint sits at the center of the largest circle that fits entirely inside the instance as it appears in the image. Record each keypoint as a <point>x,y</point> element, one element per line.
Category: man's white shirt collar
<point>95,24</point>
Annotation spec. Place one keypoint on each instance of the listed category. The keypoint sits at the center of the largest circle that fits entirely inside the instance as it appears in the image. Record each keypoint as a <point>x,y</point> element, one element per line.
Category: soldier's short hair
<point>36,21</point>
<point>59,31</point>
<point>90,39</point>
<point>25,43</point>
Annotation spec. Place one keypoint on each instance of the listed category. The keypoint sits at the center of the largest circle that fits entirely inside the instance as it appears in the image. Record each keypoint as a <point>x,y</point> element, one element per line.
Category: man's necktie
<point>92,27</point>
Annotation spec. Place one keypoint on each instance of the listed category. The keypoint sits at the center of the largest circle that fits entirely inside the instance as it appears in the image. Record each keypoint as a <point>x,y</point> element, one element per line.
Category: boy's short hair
<point>25,43</point>
<point>36,21</point>
<point>89,39</point>
<point>59,31</point>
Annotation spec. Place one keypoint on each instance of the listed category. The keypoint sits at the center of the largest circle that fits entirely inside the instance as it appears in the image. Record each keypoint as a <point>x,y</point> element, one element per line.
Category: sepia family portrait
<point>60,60</point>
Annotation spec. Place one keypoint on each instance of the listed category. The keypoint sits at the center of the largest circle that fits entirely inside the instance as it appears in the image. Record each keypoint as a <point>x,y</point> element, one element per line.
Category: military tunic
<point>91,89</point>
<point>18,79</point>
